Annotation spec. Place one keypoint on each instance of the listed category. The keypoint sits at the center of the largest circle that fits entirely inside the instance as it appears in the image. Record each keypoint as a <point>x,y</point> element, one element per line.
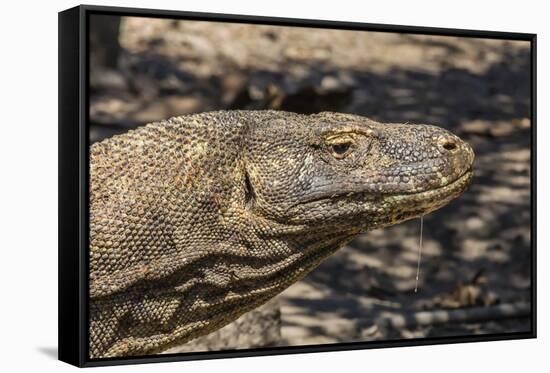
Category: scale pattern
<point>198,219</point>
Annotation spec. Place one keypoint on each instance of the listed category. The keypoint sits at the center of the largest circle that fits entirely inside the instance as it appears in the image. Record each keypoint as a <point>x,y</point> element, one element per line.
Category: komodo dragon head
<point>346,173</point>
<point>198,219</point>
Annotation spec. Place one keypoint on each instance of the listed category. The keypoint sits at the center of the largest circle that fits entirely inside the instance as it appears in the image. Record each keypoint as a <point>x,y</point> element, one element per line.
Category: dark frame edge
<point>291,350</point>
<point>73,188</point>
<point>303,22</point>
<point>534,185</point>
<point>69,192</point>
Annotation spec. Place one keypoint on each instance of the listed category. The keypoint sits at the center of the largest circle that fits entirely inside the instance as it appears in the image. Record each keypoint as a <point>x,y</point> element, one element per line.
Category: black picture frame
<point>73,182</point>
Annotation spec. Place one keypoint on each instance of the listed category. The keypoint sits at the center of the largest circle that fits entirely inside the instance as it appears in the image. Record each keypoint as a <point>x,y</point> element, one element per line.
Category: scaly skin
<point>199,219</point>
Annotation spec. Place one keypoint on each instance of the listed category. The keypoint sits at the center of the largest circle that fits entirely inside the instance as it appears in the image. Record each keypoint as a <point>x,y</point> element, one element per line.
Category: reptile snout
<point>420,158</point>
<point>451,144</point>
<point>447,143</point>
<point>460,154</point>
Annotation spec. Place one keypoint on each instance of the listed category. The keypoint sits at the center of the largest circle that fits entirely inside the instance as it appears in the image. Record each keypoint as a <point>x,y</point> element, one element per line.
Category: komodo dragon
<point>198,219</point>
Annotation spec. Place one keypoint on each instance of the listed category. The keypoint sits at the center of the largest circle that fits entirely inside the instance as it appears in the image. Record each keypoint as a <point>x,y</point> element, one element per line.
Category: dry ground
<point>476,251</point>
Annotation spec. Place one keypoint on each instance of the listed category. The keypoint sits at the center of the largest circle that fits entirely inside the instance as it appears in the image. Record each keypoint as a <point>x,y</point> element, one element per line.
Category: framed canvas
<point>234,186</point>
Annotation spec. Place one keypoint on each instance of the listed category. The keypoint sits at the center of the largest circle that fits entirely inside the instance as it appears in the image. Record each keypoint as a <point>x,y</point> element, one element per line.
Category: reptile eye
<point>341,149</point>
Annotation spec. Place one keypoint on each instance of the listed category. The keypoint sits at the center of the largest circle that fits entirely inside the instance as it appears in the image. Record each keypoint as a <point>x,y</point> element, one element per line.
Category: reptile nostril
<point>448,144</point>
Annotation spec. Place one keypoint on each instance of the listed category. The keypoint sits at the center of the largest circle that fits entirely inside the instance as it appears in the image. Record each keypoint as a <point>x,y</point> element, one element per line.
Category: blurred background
<point>476,259</point>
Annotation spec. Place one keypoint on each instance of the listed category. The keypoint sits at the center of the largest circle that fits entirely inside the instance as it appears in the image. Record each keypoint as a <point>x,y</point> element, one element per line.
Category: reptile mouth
<point>407,206</point>
<point>453,188</point>
<point>459,183</point>
<point>385,209</point>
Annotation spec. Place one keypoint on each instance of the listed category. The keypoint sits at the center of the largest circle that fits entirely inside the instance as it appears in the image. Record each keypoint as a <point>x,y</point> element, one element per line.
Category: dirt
<point>477,250</point>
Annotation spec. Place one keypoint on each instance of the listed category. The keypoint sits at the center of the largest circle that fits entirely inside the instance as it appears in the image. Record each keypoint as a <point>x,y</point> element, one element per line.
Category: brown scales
<point>199,219</point>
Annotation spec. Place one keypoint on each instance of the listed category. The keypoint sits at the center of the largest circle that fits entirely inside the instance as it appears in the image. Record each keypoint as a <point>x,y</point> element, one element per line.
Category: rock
<point>260,327</point>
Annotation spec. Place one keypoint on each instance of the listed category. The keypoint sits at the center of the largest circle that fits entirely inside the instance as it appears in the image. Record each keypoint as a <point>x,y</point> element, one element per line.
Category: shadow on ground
<point>476,250</point>
<point>50,352</point>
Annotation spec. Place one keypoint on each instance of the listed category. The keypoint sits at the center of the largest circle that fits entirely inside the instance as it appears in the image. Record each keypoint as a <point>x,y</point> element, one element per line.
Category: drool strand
<point>419,253</point>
